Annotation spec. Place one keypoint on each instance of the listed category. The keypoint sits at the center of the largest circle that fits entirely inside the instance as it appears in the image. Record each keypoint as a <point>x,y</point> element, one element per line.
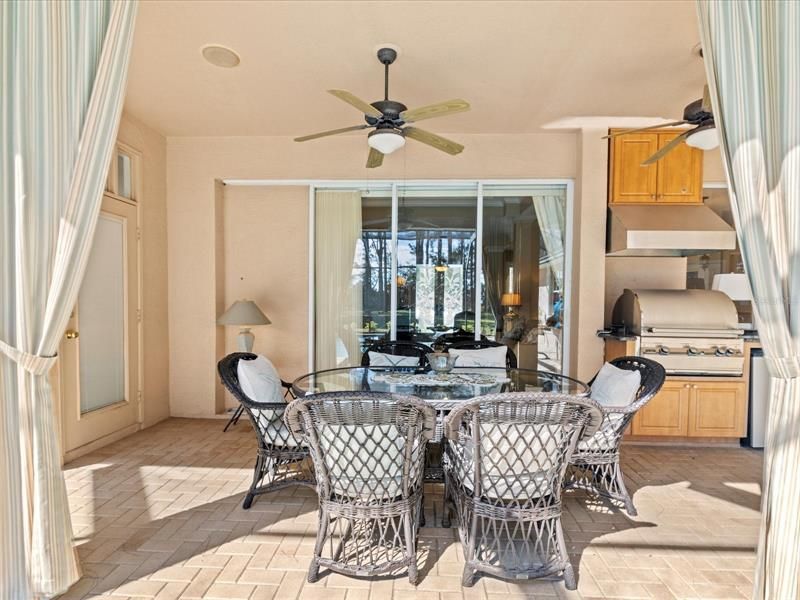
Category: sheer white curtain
<point>752,58</point>
<point>63,67</point>
<point>551,214</point>
<point>338,310</point>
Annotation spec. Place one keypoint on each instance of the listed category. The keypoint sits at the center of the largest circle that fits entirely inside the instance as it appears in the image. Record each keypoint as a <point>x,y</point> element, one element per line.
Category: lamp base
<point>245,340</point>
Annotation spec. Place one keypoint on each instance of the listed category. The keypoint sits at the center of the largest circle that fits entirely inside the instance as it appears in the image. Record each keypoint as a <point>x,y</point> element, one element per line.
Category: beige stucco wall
<point>201,282</point>
<point>193,219</point>
<point>153,225</point>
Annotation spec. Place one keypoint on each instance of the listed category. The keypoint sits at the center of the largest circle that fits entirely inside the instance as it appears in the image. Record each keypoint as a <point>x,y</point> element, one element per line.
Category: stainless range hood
<point>666,231</point>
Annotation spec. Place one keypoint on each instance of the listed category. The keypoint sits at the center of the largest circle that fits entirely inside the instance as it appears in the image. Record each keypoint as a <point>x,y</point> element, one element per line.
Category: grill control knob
<point>731,352</point>
<point>720,351</point>
<point>663,350</point>
<point>692,351</point>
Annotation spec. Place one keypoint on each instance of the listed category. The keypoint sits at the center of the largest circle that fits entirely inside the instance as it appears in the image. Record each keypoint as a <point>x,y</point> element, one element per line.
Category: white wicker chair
<point>369,451</point>
<point>504,467</point>
<point>594,466</point>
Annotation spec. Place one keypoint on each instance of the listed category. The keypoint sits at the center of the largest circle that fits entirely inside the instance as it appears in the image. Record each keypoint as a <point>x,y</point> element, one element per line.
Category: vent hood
<point>666,231</point>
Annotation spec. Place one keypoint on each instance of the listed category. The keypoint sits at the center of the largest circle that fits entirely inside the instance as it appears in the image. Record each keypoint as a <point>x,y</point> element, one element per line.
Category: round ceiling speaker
<point>220,56</point>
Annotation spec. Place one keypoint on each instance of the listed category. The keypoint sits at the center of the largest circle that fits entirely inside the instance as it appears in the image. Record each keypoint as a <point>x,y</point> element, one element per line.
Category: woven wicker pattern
<point>595,463</point>
<point>369,451</point>
<point>281,459</point>
<point>511,358</point>
<point>399,349</point>
<point>505,459</point>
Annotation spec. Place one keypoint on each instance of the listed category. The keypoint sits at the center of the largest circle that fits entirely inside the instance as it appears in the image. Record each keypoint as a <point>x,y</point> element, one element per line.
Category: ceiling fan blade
<point>364,107</point>
<point>375,159</point>
<point>314,136</point>
<point>667,148</point>
<point>437,141</point>
<point>440,109</point>
<point>627,131</point>
<point>705,105</point>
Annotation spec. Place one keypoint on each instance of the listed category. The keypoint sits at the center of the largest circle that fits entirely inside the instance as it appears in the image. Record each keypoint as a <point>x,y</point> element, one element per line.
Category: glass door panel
<point>436,253</point>
<point>102,317</point>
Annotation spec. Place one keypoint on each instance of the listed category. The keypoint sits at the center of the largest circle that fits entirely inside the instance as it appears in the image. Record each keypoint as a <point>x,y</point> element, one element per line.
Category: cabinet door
<point>680,173</point>
<point>718,409</point>
<point>630,181</point>
<point>667,413</point>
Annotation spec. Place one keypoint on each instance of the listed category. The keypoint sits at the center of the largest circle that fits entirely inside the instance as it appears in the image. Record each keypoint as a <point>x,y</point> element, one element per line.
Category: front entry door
<point>100,349</point>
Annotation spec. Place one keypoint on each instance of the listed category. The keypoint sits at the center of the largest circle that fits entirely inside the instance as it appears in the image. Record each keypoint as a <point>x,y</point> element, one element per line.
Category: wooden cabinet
<point>666,414</point>
<point>692,408</point>
<point>718,409</point>
<point>675,179</point>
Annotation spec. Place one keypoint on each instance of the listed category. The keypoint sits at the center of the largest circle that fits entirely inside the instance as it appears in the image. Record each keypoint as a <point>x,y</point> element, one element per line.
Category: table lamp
<point>511,300</point>
<point>245,314</point>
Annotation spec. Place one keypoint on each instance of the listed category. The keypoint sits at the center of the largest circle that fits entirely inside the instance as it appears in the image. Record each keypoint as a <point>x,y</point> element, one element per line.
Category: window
<point>416,262</point>
<point>121,181</point>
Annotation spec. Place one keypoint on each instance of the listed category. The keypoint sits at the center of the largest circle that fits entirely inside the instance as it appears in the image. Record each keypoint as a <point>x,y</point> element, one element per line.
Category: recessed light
<point>220,56</point>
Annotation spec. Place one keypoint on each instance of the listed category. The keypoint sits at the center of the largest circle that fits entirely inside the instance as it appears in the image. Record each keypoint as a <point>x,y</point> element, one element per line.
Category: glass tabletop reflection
<point>441,390</point>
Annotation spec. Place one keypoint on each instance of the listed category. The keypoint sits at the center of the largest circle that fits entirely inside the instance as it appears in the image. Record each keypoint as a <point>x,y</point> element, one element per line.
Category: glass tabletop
<point>462,383</point>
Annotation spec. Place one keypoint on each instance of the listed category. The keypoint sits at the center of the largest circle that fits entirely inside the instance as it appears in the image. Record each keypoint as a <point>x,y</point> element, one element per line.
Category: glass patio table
<point>443,392</point>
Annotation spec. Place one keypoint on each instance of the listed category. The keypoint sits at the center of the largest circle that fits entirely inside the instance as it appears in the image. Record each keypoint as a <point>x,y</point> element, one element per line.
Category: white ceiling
<point>523,66</point>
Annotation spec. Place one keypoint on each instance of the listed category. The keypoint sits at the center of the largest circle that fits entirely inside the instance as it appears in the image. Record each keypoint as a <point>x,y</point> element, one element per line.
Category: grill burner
<point>690,332</point>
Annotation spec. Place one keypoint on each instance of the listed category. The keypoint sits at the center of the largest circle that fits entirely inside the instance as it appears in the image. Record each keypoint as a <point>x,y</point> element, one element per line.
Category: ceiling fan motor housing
<point>694,113</point>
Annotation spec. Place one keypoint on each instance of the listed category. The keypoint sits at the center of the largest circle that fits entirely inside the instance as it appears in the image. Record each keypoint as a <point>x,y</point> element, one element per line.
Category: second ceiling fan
<point>703,135</point>
<point>390,120</point>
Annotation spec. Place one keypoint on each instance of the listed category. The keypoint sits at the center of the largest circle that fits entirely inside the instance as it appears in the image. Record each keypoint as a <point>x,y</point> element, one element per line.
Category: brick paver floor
<point>158,515</point>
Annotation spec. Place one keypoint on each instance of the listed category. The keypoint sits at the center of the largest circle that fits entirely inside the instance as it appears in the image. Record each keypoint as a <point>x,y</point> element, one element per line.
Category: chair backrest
<point>456,337</point>
<point>653,378</point>
<point>267,417</point>
<point>513,449</point>
<point>398,348</point>
<point>367,447</point>
<point>511,358</point>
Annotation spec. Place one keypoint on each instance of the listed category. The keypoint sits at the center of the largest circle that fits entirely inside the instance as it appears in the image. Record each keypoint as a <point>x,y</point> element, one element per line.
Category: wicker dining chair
<point>368,450</point>
<point>511,357</point>
<point>595,463</point>
<point>504,467</point>
<point>396,348</point>
<point>281,460</point>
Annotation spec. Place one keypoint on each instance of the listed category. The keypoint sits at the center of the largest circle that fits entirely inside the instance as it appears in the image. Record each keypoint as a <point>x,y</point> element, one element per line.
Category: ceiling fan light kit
<point>704,137</point>
<point>390,118</point>
<point>385,141</point>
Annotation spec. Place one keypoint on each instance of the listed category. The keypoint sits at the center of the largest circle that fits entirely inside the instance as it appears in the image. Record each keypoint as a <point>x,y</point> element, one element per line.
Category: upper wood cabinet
<point>675,179</point>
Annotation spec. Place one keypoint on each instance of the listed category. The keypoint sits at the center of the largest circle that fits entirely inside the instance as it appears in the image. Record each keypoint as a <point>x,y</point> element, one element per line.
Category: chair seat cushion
<point>380,359</point>
<point>606,438</point>
<point>483,357</point>
<point>259,380</point>
<point>615,387</point>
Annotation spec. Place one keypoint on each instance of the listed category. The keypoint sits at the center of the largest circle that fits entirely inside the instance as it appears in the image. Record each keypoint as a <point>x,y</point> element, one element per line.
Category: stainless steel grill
<point>690,332</point>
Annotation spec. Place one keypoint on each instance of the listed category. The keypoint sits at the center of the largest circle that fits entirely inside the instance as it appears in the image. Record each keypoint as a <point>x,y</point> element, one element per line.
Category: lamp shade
<point>385,141</point>
<point>244,313</point>
<point>735,285</point>
<point>512,299</point>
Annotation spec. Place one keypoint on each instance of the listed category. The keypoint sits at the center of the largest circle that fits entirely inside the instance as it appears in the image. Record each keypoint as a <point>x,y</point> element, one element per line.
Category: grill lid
<point>677,312</point>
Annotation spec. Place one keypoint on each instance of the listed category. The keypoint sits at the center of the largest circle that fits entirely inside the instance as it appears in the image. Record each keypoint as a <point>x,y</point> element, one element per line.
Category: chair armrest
<point>293,417</point>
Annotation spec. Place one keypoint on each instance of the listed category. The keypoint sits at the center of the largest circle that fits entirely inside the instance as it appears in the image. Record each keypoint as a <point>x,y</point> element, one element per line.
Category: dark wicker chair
<point>595,463</point>
<point>459,336</point>
<point>399,349</point>
<point>281,460</point>
<point>368,450</point>
<point>511,358</point>
<point>504,468</point>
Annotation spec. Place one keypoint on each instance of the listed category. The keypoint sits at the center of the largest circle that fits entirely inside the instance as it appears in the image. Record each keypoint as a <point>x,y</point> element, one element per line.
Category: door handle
<point>71,334</point>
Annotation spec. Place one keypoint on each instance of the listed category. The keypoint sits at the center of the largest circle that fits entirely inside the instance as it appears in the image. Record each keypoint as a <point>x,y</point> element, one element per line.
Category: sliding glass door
<point>418,262</point>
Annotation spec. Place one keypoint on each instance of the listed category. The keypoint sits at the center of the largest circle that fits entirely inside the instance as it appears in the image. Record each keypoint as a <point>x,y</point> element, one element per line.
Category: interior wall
<point>153,225</point>
<point>195,163</point>
<point>644,273</point>
<point>266,260</point>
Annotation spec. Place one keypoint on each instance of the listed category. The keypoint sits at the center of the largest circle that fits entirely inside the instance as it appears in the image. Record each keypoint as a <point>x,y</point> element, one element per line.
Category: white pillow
<point>379,359</point>
<point>259,380</point>
<point>484,357</point>
<point>615,387</point>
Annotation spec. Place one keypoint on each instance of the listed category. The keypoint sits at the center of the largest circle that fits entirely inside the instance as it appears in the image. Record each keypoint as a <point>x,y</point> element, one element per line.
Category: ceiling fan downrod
<point>387,56</point>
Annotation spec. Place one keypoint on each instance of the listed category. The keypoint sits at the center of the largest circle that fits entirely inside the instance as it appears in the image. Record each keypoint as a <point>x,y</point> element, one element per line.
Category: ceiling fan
<point>390,119</point>
<point>703,136</point>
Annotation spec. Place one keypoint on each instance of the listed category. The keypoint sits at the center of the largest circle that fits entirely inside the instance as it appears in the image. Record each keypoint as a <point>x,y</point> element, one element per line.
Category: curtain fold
<point>550,212</point>
<point>338,302</point>
<point>63,67</point>
<point>752,59</point>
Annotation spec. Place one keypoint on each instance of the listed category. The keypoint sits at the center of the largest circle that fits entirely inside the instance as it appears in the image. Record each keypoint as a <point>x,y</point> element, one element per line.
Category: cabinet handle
<point>694,387</point>
<point>687,386</point>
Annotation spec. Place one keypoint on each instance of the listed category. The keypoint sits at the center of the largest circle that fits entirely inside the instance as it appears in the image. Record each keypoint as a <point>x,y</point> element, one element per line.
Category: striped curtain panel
<point>752,58</point>
<point>62,74</point>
